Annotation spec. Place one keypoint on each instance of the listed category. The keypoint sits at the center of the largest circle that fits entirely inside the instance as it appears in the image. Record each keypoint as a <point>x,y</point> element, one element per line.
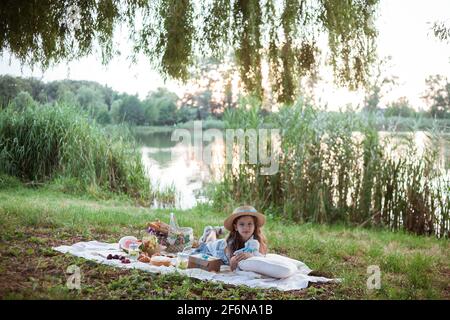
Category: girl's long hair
<point>235,242</point>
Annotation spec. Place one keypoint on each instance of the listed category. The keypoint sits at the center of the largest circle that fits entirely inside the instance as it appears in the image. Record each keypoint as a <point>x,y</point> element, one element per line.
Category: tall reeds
<point>164,196</point>
<point>46,143</point>
<point>335,167</point>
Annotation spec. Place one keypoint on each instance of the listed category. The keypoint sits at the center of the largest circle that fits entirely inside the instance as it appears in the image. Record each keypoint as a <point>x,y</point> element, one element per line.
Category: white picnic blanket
<point>98,251</point>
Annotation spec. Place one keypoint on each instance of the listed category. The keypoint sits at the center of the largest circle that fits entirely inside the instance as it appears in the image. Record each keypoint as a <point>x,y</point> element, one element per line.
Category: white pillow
<point>269,266</point>
<point>301,267</point>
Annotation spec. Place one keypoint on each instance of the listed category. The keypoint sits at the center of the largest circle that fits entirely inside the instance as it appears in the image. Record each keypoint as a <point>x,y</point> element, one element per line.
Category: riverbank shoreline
<point>390,124</point>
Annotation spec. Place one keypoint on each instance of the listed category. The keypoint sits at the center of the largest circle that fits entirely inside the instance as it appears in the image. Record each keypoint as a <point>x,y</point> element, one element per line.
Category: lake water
<point>175,163</point>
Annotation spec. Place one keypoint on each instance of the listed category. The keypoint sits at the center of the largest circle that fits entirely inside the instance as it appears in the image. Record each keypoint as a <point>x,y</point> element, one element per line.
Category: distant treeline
<point>160,107</point>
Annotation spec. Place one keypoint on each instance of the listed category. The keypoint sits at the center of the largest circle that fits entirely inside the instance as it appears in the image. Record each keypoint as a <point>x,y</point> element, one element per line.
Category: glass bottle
<point>133,251</point>
<point>182,260</point>
<point>173,221</point>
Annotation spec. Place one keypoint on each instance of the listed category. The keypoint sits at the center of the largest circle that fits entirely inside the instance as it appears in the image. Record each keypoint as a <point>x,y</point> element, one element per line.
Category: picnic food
<point>149,244</point>
<point>123,259</point>
<point>159,227</point>
<point>171,236</point>
<point>160,230</point>
<point>125,242</point>
<point>143,257</point>
<point>160,261</point>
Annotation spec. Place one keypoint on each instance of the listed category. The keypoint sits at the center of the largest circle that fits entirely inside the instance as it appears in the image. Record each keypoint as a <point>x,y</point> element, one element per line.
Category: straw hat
<point>244,211</point>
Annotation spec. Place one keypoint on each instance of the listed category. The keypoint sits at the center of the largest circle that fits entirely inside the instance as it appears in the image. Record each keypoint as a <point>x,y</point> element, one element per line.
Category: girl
<point>244,240</point>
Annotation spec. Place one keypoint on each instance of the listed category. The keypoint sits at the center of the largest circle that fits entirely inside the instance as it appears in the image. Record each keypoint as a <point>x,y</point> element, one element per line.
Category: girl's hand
<point>237,258</point>
<point>233,263</point>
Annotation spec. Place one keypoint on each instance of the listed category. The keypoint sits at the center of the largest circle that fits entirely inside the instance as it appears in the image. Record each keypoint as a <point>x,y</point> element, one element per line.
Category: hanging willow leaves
<point>171,33</point>
<point>441,30</point>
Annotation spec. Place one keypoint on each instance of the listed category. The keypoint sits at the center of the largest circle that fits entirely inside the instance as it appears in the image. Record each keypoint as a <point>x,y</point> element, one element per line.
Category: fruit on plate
<point>125,242</point>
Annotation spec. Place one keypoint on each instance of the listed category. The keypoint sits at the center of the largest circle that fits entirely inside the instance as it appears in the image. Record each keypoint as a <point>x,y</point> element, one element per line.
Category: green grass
<point>34,220</point>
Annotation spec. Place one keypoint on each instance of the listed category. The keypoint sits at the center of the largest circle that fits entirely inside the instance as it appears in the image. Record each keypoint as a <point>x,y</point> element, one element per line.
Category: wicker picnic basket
<point>179,238</point>
<point>173,238</point>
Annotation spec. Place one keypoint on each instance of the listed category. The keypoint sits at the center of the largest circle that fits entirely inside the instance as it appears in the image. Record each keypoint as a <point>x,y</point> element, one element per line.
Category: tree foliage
<point>379,84</point>
<point>91,100</point>
<point>101,102</point>
<point>400,108</point>
<point>22,101</point>
<point>438,96</point>
<point>441,30</point>
<point>161,105</point>
<point>131,111</point>
<point>210,89</point>
<point>172,32</point>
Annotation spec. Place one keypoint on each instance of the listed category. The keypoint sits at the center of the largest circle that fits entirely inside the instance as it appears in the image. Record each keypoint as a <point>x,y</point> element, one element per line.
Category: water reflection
<point>175,163</point>
<point>423,142</point>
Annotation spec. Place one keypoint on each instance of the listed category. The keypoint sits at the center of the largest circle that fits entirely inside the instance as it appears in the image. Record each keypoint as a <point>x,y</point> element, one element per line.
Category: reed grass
<point>58,144</point>
<point>164,196</point>
<point>335,167</point>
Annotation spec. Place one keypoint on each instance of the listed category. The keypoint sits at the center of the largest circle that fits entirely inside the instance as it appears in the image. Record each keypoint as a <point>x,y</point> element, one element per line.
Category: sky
<point>404,34</point>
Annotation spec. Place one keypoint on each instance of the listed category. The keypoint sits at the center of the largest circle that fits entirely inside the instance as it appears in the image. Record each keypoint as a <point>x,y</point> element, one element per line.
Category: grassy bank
<point>34,220</point>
